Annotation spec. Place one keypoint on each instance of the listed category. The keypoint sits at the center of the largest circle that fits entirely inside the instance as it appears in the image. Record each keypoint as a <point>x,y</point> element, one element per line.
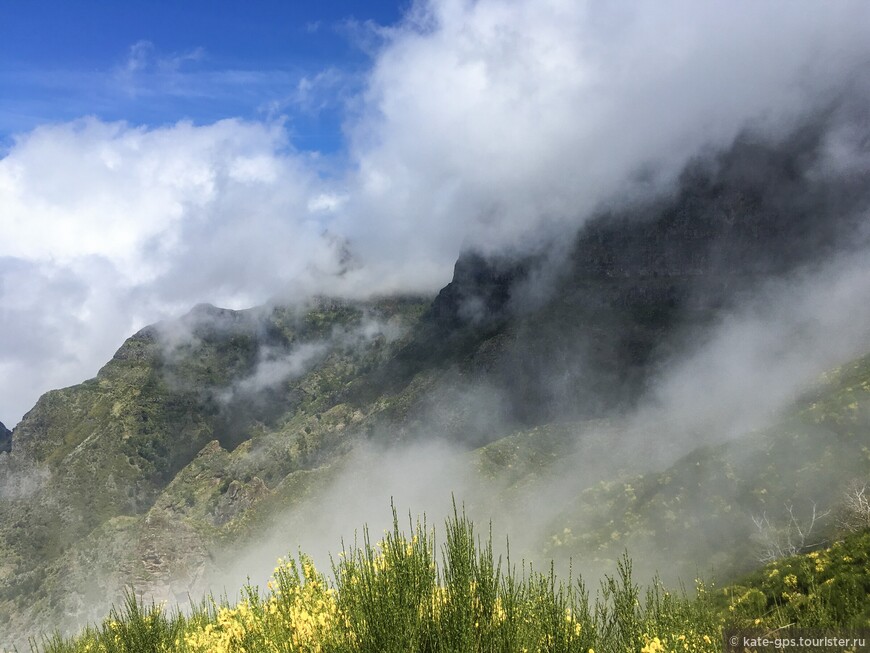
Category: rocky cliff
<point>638,282</point>
<point>5,439</point>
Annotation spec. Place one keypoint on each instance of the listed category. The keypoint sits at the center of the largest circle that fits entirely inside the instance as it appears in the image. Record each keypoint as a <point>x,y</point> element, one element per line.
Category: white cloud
<point>108,227</point>
<point>326,202</point>
<point>480,123</point>
<point>130,195</point>
<point>139,56</point>
<point>145,65</point>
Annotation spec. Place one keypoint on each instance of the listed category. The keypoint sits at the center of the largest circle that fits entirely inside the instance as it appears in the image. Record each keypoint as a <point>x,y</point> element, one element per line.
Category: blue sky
<point>160,62</point>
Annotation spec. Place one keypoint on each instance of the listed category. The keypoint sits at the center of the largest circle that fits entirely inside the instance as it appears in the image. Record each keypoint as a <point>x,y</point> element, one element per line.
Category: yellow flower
<point>653,646</point>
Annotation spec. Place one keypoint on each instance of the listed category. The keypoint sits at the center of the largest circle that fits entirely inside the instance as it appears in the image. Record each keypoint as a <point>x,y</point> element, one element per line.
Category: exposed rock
<point>172,558</point>
<point>237,499</point>
<point>636,283</point>
<point>5,439</point>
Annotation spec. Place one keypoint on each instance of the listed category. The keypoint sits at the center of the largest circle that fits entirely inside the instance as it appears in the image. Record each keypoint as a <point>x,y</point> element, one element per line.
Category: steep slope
<point>89,463</point>
<point>5,439</point>
<point>824,589</point>
<point>637,284</point>
<point>684,511</point>
<point>199,431</point>
<point>720,509</point>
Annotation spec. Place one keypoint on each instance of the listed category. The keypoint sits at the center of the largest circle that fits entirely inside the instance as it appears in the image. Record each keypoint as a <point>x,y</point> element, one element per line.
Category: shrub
<point>405,594</point>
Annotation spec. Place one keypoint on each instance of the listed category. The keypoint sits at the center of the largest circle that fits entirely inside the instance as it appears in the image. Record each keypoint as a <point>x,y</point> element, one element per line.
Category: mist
<point>484,125</point>
<point>791,318</point>
<point>744,375</point>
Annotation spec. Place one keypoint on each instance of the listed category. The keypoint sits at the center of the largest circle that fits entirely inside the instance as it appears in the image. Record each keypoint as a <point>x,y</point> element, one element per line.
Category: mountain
<point>5,439</point>
<point>720,508</point>
<point>208,435</point>
<point>636,286</point>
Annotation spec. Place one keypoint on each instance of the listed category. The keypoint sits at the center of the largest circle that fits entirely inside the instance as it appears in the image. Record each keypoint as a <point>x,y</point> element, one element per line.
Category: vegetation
<point>167,449</point>
<point>401,595</point>
<point>823,589</point>
<point>407,594</point>
<point>165,464</point>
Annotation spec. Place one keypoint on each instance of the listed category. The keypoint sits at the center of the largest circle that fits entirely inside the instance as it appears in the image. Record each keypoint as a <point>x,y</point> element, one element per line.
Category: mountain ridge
<point>5,439</point>
<point>200,430</point>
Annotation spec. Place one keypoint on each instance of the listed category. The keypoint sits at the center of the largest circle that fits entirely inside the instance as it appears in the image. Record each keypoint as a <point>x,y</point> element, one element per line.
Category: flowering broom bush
<point>405,594</point>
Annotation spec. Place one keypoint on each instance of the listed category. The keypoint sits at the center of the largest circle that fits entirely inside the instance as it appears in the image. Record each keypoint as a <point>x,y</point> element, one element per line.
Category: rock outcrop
<point>5,439</point>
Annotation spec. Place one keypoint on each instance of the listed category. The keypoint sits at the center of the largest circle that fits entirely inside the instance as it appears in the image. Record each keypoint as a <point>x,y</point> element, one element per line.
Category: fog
<point>742,376</point>
<point>767,346</point>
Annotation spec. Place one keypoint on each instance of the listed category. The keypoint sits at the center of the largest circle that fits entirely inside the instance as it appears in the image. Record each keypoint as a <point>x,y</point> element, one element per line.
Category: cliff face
<point>5,439</point>
<point>758,210</point>
<point>638,282</point>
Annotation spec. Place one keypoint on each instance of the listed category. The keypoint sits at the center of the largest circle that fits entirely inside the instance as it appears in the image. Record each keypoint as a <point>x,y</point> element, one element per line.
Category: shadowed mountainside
<point>5,439</point>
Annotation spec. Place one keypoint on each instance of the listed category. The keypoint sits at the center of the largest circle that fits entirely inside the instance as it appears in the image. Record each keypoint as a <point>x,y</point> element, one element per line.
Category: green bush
<point>405,593</point>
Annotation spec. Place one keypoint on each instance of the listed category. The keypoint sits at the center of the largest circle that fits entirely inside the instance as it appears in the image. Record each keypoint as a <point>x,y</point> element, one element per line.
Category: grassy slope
<point>697,515</point>
<point>828,587</point>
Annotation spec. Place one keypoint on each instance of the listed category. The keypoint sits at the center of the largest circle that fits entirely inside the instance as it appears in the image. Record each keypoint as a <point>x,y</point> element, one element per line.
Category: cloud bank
<point>486,124</point>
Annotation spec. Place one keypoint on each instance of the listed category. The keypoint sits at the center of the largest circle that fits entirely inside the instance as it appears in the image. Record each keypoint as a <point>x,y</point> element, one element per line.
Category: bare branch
<point>791,538</point>
<point>855,511</point>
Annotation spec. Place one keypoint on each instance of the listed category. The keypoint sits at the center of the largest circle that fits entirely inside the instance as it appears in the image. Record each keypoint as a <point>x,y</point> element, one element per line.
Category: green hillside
<point>698,513</point>
<point>131,476</point>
